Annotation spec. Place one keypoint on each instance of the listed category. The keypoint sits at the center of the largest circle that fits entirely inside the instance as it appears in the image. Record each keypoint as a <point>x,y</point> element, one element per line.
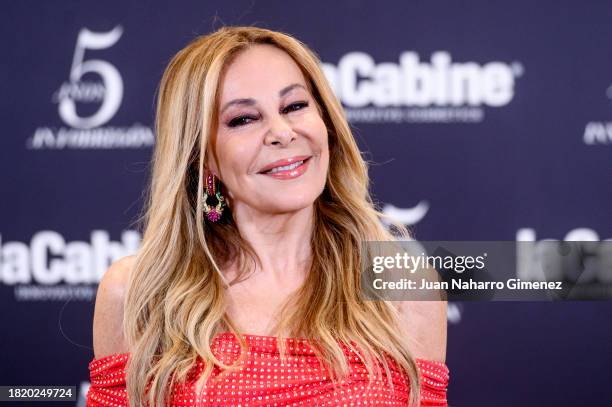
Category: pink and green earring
<point>214,209</point>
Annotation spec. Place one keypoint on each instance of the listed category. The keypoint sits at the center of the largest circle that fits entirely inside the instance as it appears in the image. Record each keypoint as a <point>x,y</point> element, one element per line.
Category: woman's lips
<point>283,162</point>
<point>290,173</point>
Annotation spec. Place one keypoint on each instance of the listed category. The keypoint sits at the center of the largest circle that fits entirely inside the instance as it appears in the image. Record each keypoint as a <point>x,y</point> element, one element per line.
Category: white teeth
<point>286,167</point>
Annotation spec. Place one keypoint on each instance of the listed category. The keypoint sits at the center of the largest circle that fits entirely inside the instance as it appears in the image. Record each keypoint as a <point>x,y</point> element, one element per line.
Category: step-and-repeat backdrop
<point>482,121</point>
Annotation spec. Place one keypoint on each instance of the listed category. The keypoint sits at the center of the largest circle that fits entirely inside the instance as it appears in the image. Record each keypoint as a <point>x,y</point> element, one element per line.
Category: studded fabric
<point>264,380</point>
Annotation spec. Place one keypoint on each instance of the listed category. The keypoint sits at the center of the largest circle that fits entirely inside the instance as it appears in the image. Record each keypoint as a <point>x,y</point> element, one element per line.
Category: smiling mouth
<point>286,168</point>
<point>288,172</point>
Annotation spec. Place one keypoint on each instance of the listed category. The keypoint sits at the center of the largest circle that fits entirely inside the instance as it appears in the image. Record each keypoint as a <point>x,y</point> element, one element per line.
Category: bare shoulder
<point>108,335</point>
<point>425,325</point>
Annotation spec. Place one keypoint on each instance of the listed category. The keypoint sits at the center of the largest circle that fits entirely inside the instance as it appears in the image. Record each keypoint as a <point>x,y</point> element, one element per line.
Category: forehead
<point>261,69</point>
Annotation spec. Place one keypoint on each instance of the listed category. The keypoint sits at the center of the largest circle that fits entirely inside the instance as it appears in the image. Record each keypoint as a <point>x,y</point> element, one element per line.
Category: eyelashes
<point>242,120</point>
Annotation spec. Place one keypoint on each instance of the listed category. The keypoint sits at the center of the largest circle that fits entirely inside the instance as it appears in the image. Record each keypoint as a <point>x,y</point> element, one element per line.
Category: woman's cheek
<point>239,151</point>
<point>322,129</point>
<point>314,126</point>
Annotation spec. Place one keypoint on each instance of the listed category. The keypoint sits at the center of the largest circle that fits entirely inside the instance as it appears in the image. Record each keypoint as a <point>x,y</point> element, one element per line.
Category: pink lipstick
<point>287,168</point>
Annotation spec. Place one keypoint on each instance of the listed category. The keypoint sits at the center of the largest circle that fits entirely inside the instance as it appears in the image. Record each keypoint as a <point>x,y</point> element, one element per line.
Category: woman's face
<point>271,149</point>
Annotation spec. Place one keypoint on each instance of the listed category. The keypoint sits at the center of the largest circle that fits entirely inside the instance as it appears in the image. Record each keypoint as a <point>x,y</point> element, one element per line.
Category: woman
<point>248,272</point>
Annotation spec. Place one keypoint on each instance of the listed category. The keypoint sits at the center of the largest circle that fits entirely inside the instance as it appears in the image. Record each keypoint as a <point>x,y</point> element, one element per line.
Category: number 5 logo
<point>113,84</point>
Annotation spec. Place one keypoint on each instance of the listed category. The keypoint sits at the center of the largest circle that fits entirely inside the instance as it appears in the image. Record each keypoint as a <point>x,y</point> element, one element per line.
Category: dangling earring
<point>213,212</point>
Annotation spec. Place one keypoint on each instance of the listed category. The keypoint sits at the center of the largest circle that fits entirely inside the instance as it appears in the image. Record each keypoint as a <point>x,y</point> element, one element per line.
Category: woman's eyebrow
<point>251,101</point>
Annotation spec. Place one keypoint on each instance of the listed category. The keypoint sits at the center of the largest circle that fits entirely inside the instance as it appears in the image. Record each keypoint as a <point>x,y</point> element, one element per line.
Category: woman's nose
<point>280,131</point>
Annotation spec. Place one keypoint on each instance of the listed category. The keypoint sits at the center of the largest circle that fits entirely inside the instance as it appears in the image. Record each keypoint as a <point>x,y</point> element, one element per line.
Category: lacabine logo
<point>104,95</point>
<point>414,91</point>
<point>49,268</point>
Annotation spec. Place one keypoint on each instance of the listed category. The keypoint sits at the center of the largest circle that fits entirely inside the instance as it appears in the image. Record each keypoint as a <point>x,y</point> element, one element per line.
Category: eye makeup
<point>241,120</point>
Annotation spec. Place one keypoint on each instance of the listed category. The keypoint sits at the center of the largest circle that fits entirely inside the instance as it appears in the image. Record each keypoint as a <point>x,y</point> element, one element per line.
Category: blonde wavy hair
<point>175,301</point>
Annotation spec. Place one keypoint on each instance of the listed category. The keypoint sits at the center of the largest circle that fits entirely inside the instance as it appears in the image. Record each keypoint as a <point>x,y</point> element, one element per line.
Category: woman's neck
<point>281,241</point>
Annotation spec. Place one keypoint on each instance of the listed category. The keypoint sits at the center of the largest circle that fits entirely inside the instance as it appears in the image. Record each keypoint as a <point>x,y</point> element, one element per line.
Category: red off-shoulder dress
<point>264,381</point>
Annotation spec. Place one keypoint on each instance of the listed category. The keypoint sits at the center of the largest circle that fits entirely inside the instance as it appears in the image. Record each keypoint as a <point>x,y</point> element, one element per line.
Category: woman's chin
<point>288,206</point>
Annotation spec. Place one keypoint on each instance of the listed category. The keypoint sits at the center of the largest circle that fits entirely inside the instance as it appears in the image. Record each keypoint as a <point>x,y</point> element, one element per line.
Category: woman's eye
<point>295,106</point>
<point>240,121</point>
